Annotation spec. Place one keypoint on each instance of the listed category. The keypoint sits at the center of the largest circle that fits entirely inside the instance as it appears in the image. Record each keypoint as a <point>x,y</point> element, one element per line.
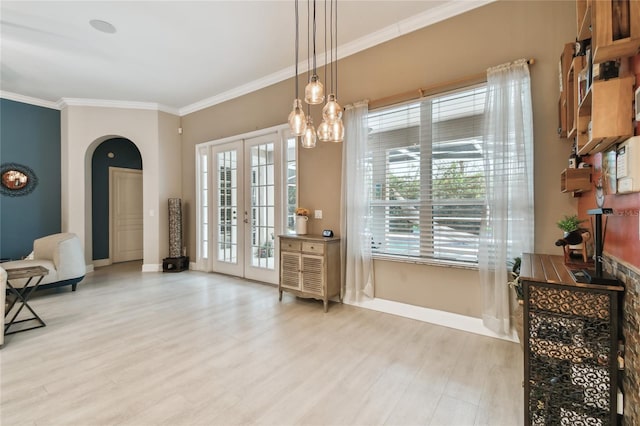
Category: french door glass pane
<point>204,206</point>
<point>291,185</point>
<point>262,206</point>
<point>228,206</point>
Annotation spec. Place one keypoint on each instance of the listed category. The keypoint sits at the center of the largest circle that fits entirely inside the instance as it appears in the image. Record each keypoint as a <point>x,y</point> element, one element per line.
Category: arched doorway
<point>116,202</point>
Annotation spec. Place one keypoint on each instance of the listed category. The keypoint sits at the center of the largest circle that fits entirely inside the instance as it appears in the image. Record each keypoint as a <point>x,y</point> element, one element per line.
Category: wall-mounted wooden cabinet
<point>613,26</point>
<point>605,114</point>
<point>616,29</point>
<point>596,94</point>
<point>575,180</point>
<point>566,91</point>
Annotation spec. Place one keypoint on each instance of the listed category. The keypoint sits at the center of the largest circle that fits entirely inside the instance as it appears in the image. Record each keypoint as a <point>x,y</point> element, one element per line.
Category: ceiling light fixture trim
<point>103,26</point>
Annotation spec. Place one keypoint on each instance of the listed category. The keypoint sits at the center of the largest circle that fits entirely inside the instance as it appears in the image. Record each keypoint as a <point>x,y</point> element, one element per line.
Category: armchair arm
<point>65,250</point>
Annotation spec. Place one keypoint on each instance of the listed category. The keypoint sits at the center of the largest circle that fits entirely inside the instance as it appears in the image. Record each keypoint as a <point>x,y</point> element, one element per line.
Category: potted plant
<point>302,216</point>
<point>573,238</point>
<point>516,285</point>
<point>569,223</point>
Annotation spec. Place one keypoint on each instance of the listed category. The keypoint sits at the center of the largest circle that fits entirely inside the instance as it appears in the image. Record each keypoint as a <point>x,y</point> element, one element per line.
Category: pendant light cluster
<point>331,128</point>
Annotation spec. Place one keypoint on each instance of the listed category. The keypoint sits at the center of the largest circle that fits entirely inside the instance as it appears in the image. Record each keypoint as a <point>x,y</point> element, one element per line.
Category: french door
<point>241,206</point>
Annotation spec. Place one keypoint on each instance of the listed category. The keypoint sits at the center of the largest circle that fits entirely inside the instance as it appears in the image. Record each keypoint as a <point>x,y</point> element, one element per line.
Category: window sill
<point>428,262</point>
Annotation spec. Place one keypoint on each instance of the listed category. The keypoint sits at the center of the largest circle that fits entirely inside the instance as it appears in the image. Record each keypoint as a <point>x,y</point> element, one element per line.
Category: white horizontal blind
<point>427,177</point>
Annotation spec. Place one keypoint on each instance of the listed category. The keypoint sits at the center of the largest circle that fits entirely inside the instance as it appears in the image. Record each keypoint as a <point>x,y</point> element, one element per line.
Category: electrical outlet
<point>317,214</point>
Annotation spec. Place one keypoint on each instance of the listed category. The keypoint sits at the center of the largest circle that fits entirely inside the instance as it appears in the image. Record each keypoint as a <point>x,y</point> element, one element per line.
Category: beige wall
<point>170,173</point>
<point>456,48</point>
<point>82,130</point>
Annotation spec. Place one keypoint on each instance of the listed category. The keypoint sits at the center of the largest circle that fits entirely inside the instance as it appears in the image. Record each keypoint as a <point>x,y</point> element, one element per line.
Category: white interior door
<point>125,200</point>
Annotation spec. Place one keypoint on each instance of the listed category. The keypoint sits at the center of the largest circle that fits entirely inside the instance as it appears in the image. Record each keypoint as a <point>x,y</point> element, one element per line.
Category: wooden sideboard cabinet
<point>310,267</point>
<point>572,341</point>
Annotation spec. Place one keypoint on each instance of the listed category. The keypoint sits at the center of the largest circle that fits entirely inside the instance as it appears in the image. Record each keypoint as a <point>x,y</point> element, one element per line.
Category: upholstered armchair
<point>61,254</point>
<point>3,291</point>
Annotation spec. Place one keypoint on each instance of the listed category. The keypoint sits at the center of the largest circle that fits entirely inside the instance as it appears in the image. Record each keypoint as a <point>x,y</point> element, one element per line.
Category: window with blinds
<point>427,177</point>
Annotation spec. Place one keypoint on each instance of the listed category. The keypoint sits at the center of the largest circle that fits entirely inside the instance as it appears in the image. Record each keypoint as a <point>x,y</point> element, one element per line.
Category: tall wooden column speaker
<point>177,260</point>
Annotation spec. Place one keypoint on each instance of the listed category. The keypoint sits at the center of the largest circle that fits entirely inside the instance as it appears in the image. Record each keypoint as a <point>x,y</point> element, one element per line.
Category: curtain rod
<point>433,89</point>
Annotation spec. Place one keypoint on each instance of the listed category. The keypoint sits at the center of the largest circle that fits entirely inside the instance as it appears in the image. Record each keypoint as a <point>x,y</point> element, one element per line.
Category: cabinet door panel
<point>313,274</point>
<point>290,270</point>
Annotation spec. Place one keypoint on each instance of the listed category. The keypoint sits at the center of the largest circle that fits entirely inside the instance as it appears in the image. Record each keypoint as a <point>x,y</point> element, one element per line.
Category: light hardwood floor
<point>132,348</point>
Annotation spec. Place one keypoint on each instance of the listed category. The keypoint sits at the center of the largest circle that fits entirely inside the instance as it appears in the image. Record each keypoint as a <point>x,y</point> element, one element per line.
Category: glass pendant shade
<point>332,111</point>
<point>324,131</point>
<point>297,119</point>
<point>337,131</point>
<point>309,137</point>
<point>314,92</point>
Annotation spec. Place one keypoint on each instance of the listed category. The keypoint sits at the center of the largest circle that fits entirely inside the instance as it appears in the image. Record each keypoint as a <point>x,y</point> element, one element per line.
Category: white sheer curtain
<point>355,233</point>
<point>507,230</point>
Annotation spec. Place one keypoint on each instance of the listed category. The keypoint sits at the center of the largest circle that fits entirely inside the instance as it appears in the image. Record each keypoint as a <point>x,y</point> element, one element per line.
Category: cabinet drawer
<point>310,247</point>
<point>289,245</point>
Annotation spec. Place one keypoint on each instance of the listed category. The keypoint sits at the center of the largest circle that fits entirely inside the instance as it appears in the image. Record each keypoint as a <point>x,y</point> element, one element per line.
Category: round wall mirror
<point>16,179</point>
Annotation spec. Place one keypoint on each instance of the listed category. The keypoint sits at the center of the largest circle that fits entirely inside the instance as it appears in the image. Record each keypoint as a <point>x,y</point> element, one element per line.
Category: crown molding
<point>28,100</point>
<point>241,90</point>
<point>65,102</point>
<point>105,103</point>
<point>421,20</point>
<point>414,23</point>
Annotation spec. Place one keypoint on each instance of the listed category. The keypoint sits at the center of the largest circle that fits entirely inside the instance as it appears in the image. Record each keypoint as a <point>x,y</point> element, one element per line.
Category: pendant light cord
<point>336,60</point>
<point>325,41</point>
<point>308,42</point>
<point>331,41</point>
<point>314,37</point>
<point>297,44</point>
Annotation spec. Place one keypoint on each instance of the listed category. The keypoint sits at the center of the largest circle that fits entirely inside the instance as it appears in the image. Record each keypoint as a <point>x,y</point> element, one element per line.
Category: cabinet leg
<point>280,298</point>
<point>326,305</point>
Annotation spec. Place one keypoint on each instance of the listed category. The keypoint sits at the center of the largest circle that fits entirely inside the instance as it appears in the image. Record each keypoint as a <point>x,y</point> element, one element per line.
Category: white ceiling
<point>179,55</point>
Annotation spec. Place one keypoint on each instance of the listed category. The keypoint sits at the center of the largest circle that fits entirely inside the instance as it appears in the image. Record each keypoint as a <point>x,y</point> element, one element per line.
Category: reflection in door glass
<point>291,185</point>
<point>262,206</point>
<point>228,206</point>
<point>204,206</point>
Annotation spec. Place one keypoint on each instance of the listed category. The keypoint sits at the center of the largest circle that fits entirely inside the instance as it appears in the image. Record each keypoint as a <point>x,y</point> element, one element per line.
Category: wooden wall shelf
<point>575,180</point>
<point>608,106</point>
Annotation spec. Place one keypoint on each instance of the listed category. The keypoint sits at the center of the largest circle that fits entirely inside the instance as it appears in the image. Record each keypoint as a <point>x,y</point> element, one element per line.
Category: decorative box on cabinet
<point>572,335</point>
<point>310,267</point>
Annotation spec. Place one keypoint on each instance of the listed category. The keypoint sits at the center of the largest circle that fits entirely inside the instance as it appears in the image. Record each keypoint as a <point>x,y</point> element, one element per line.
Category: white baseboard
<point>432,316</point>
<point>152,267</point>
<point>102,262</point>
<point>88,268</point>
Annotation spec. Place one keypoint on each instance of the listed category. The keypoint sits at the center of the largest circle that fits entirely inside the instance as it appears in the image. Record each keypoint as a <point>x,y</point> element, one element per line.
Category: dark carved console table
<point>572,336</point>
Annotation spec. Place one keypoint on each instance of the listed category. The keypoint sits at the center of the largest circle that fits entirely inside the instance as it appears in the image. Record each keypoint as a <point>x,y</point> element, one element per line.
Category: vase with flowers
<point>302,216</point>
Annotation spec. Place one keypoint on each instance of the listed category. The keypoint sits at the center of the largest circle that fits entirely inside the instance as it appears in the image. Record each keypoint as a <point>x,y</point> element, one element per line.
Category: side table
<point>21,296</point>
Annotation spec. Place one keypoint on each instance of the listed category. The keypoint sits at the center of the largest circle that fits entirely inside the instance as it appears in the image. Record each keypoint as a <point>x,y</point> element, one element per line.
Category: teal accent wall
<point>30,135</point>
<point>125,155</point>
